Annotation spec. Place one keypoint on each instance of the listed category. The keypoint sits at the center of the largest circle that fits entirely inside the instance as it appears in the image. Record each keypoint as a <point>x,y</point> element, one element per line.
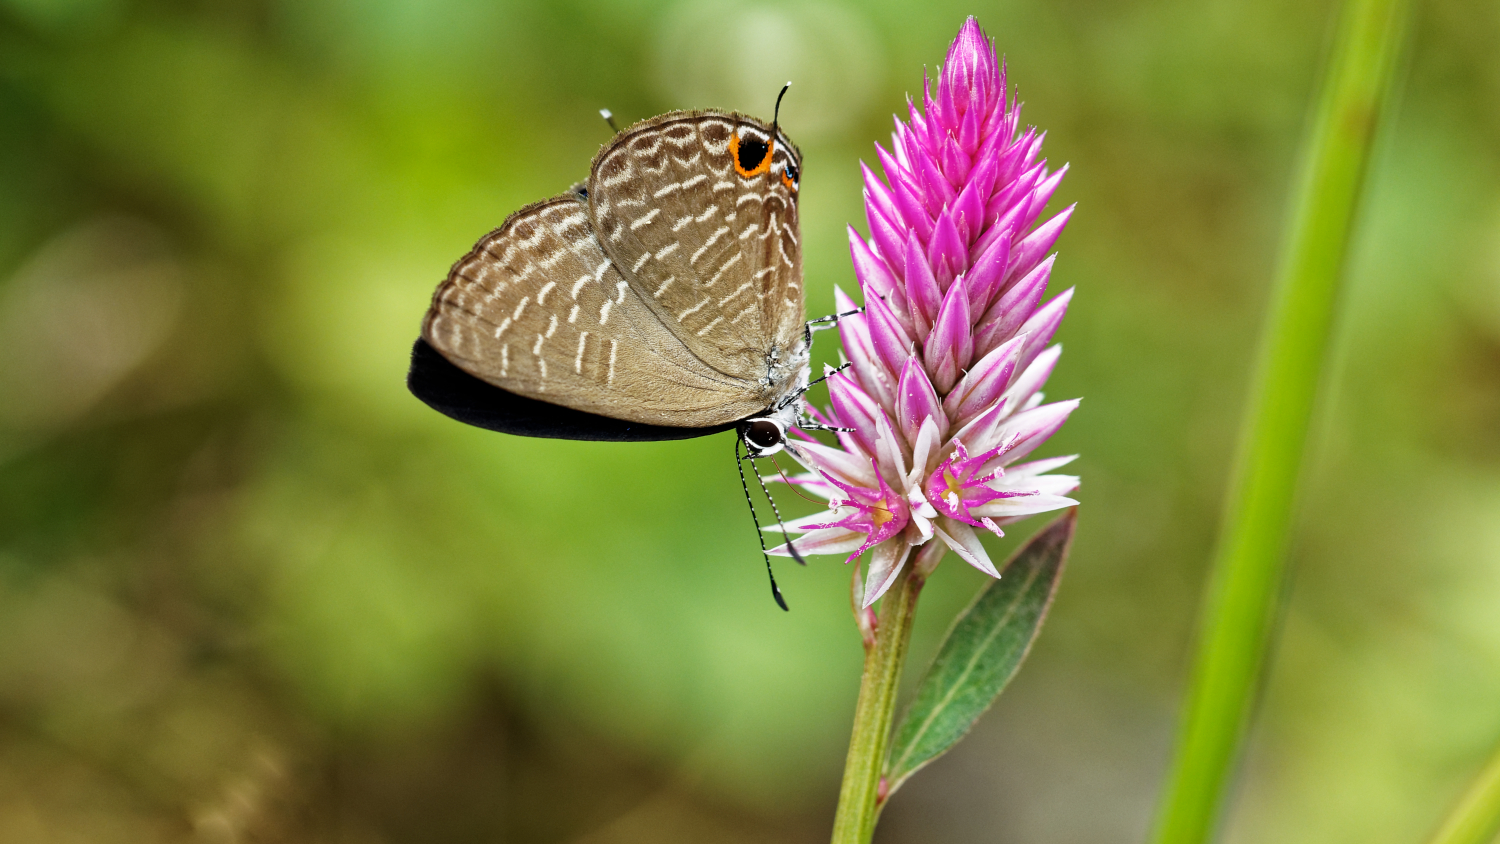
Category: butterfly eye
<point>766,435</point>
<point>751,155</point>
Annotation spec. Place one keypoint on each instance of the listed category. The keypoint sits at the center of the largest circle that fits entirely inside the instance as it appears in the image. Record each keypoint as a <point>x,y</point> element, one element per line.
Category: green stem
<point>1476,818</point>
<point>859,796</point>
<point>1239,607</point>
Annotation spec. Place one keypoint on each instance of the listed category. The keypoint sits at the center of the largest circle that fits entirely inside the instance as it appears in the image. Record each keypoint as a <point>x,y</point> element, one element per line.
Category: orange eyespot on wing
<point>789,177</point>
<point>752,157</point>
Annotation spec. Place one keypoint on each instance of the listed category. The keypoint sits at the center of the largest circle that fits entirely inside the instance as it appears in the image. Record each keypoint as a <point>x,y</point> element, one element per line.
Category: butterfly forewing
<point>538,309</point>
<point>699,212</point>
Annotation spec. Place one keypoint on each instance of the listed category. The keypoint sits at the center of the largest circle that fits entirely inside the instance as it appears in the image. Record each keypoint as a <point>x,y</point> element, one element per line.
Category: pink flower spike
<point>948,358</point>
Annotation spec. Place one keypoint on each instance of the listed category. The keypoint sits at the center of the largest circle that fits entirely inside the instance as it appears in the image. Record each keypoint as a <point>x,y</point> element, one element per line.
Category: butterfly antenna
<point>609,117</point>
<point>776,114</point>
<point>777,512</point>
<point>739,464</point>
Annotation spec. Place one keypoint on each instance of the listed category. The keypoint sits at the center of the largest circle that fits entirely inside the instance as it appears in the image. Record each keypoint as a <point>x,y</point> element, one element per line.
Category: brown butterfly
<point>660,299</point>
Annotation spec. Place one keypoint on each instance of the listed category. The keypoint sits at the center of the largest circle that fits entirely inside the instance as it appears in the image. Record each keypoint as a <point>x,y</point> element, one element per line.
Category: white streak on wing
<point>707,212</point>
<point>551,260</point>
<point>727,264</point>
<point>521,306</point>
<point>610,378</point>
<point>578,285</point>
<point>737,291</point>
<point>541,295</point>
<point>705,329</point>
<point>666,190</point>
<point>620,288</point>
<point>749,197</point>
<point>694,309</point>
<point>696,180</point>
<point>604,311</point>
<point>765,272</point>
<point>718,186</point>
<point>667,250</point>
<point>551,325</point>
<point>583,340</point>
<point>664,285</point>
<point>500,329</point>
<point>573,315</point>
<point>536,348</point>
<point>708,243</point>
<point>646,220</point>
<point>641,262</point>
<point>504,359</point>
<point>749,230</point>
<point>781,247</point>
<point>744,313</point>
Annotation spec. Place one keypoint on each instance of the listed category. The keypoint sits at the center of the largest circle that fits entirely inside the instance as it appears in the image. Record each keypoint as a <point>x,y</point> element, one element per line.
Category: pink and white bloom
<point>948,359</point>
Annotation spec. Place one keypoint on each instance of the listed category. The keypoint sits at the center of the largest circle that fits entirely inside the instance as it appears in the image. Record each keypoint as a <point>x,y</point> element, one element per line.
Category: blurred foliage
<point>251,590</point>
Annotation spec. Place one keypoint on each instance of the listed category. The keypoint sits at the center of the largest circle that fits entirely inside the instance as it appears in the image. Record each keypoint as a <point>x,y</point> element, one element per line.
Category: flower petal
<point>829,541</point>
<point>1021,505</point>
<point>885,563</point>
<point>965,543</point>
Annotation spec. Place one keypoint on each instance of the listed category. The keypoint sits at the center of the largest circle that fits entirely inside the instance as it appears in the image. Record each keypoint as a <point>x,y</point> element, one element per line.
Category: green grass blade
<point>1239,607</point>
<point>1476,818</point>
<point>981,652</point>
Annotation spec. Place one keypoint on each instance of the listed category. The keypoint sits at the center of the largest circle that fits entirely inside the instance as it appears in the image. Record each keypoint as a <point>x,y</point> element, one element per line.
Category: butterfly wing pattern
<point>667,291</point>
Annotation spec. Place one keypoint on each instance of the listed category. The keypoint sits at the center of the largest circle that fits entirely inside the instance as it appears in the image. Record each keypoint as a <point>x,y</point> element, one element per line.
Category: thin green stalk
<point>1239,607</point>
<point>859,796</point>
<point>1476,818</point>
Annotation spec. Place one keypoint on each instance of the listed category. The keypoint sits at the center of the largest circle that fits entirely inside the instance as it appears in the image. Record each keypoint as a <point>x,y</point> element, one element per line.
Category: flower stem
<point>859,796</point>
<point>1476,818</point>
<point>1239,604</point>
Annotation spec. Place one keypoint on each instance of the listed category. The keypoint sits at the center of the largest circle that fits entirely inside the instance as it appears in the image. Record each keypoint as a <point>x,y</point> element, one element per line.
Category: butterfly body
<point>664,293</point>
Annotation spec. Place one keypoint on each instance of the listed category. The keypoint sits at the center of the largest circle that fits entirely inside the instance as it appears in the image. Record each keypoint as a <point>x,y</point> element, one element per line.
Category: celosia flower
<point>947,360</point>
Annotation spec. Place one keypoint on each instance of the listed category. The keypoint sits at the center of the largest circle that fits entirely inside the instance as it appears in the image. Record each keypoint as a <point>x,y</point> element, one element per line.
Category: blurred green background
<point>252,591</point>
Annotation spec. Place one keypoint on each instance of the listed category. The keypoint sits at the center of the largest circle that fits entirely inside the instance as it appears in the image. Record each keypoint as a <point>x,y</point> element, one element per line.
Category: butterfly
<point>660,299</point>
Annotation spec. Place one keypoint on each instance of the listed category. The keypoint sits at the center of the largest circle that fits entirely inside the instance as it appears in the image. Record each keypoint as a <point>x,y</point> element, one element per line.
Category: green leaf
<point>981,652</point>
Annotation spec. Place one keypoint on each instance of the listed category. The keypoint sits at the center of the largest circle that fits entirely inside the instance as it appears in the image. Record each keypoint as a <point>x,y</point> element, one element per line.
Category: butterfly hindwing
<point>538,309</point>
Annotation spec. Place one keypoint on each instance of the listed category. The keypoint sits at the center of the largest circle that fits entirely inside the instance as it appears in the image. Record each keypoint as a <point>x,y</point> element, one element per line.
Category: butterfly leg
<point>831,320</point>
